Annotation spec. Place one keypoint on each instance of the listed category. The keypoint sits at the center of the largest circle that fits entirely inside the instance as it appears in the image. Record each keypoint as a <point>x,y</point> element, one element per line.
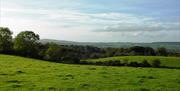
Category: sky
<point>94,20</point>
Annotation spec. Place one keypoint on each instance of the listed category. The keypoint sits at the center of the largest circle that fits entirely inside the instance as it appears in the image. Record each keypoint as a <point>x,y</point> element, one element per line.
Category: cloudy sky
<point>94,20</point>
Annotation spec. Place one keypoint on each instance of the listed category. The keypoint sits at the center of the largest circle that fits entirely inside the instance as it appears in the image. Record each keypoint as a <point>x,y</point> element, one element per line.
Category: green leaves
<point>5,40</point>
<point>26,42</point>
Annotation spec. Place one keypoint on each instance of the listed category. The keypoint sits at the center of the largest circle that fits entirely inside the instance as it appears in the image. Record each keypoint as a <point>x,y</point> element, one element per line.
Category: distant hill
<point>173,46</point>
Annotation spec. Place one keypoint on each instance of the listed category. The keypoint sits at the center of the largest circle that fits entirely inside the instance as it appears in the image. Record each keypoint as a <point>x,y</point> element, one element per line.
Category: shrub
<point>125,62</point>
<point>99,63</point>
<point>134,64</point>
<point>113,63</point>
<point>145,64</point>
<point>117,63</point>
<point>84,62</point>
<point>156,63</point>
<point>72,60</point>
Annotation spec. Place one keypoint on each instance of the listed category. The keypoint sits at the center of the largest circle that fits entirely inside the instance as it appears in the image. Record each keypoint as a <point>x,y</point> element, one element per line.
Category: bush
<point>145,64</point>
<point>125,62</point>
<point>72,60</point>
<point>84,62</point>
<point>117,63</point>
<point>114,63</point>
<point>156,63</point>
<point>99,63</point>
<point>134,64</point>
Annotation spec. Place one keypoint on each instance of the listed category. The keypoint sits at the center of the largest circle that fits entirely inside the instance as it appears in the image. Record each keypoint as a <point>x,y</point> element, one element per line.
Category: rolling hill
<point>172,46</point>
<point>25,74</point>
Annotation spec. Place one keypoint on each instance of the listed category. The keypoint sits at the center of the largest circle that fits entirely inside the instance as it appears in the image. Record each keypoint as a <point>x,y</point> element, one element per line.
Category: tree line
<point>27,44</point>
<point>156,63</point>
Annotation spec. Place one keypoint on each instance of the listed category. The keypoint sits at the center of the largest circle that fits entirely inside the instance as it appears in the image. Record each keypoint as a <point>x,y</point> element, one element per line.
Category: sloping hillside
<point>24,74</point>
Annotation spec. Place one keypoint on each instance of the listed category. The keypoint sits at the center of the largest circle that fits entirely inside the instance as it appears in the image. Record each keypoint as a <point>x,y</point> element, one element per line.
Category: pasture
<point>25,74</point>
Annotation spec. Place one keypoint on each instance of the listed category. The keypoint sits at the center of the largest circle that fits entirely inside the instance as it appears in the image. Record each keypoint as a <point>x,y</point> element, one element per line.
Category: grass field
<point>24,74</point>
<point>165,61</point>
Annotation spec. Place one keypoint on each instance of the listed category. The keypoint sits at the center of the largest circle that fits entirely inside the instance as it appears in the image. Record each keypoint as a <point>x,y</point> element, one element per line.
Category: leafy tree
<point>5,40</point>
<point>59,53</point>
<point>54,52</point>
<point>25,44</point>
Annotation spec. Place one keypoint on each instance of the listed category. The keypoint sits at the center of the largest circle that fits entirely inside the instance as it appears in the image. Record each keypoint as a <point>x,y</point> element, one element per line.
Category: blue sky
<point>95,20</point>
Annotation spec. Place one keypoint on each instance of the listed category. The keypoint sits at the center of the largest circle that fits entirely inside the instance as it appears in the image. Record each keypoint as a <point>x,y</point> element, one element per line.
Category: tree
<point>54,53</point>
<point>134,64</point>
<point>71,60</point>
<point>5,40</point>
<point>25,44</point>
<point>60,53</point>
<point>162,51</point>
<point>137,50</point>
<point>156,63</point>
<point>149,51</point>
<point>145,64</point>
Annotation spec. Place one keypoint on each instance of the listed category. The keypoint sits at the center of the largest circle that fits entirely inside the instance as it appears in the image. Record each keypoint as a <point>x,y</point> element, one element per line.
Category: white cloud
<point>143,26</point>
<point>79,26</point>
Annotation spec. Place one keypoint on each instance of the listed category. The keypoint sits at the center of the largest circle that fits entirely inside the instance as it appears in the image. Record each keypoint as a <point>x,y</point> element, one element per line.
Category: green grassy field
<point>24,74</point>
<point>165,61</point>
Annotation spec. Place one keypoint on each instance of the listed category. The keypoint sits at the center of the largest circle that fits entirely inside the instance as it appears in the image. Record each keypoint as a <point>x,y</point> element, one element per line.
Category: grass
<point>24,74</point>
<point>165,61</point>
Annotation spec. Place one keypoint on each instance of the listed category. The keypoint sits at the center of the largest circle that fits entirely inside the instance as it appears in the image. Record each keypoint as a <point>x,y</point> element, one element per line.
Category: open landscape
<point>89,45</point>
<point>25,74</point>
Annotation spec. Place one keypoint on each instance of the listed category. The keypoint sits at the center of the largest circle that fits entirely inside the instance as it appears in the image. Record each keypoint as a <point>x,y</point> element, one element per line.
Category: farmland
<point>25,74</point>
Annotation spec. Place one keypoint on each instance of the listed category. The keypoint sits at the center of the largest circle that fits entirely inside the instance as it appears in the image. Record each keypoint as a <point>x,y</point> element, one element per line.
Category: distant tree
<point>162,51</point>
<point>145,64</point>
<point>70,59</point>
<point>115,63</point>
<point>156,63</point>
<point>137,50</point>
<point>134,64</point>
<point>149,51</point>
<point>63,54</point>
<point>54,52</point>
<point>110,52</point>
<point>125,62</point>
<point>41,50</point>
<point>5,40</point>
<point>95,55</point>
<point>25,43</point>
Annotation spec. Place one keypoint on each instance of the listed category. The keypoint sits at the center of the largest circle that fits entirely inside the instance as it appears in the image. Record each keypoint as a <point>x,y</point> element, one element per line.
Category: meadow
<point>25,74</point>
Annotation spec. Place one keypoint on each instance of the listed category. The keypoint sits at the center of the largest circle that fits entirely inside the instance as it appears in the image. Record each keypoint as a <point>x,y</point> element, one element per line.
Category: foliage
<point>5,40</point>
<point>25,44</point>
<point>156,63</point>
<point>143,61</point>
<point>139,50</point>
<point>162,51</point>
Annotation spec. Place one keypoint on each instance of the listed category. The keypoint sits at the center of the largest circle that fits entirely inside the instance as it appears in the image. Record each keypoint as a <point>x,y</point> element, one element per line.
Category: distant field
<point>24,74</point>
<point>172,46</point>
<point>165,61</point>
